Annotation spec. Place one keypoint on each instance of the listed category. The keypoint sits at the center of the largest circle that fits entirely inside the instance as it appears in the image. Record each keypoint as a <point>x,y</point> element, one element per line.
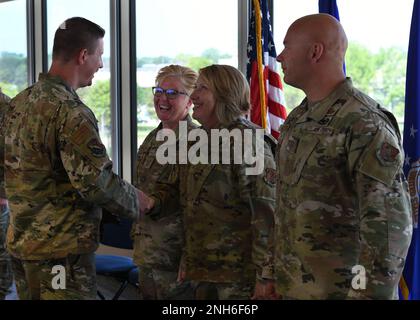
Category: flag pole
<point>257,11</point>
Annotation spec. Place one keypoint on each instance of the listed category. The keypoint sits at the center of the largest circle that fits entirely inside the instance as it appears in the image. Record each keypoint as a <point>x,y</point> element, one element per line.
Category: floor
<point>109,286</point>
<point>106,285</point>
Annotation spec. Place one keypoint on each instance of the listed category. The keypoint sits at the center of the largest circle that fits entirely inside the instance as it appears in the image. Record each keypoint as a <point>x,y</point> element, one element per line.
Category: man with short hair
<point>58,175</point>
<point>343,218</point>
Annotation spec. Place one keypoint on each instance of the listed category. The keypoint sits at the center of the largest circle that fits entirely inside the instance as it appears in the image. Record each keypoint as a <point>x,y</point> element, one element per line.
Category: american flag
<point>267,98</point>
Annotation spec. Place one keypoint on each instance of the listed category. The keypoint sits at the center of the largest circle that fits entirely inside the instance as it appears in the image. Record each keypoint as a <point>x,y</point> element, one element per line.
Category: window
<point>285,13</point>
<point>378,37</point>
<point>182,32</point>
<point>97,97</point>
<point>13,47</point>
<point>378,43</point>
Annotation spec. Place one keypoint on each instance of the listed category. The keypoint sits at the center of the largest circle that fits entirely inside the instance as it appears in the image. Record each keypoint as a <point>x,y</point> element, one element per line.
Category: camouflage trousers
<point>70,278</point>
<point>162,285</point>
<point>6,277</point>
<point>223,291</point>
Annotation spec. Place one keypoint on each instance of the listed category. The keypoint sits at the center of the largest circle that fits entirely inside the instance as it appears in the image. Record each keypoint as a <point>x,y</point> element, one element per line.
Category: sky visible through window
<point>375,23</point>
<point>378,33</point>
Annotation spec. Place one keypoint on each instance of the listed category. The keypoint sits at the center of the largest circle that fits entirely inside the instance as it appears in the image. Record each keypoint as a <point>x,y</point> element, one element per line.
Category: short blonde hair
<point>187,76</point>
<point>230,90</point>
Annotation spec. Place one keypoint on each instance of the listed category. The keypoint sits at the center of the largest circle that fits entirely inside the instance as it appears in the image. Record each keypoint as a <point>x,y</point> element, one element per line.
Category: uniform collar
<point>189,124</point>
<point>238,121</point>
<point>318,110</point>
<point>57,81</point>
<point>176,130</point>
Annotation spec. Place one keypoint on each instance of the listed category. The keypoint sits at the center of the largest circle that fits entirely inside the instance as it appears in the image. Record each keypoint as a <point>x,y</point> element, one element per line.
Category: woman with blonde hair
<point>158,242</point>
<point>228,215</point>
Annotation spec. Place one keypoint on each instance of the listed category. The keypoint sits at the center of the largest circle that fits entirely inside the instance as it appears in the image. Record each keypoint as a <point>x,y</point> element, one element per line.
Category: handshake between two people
<point>145,202</point>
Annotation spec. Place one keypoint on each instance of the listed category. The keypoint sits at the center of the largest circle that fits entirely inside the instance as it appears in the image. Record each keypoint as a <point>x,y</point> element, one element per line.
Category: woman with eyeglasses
<point>228,215</point>
<point>158,241</point>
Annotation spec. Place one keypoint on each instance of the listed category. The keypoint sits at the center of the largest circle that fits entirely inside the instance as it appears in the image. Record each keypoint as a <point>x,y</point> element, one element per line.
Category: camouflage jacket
<point>58,174</point>
<point>228,216</point>
<point>3,108</point>
<point>343,200</point>
<point>158,242</point>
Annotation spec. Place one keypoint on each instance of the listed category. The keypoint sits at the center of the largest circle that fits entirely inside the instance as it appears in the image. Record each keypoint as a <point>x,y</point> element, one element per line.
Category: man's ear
<point>316,51</point>
<point>82,56</point>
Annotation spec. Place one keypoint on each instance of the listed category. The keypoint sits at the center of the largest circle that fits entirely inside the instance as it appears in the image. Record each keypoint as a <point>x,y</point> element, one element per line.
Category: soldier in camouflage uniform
<point>228,215</point>
<point>343,218</point>
<point>58,174</point>
<point>6,277</point>
<point>158,243</point>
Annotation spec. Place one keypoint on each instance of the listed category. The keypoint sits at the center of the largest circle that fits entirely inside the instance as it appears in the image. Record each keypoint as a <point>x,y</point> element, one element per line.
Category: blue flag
<point>330,7</point>
<point>410,282</point>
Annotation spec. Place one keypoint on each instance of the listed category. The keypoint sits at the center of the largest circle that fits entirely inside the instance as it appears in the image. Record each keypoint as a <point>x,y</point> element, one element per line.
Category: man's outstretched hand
<point>146,203</point>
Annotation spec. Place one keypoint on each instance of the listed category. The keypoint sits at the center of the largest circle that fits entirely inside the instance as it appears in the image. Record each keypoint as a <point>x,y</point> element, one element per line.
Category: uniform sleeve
<point>259,191</point>
<point>166,193</point>
<point>384,214</point>
<point>89,168</point>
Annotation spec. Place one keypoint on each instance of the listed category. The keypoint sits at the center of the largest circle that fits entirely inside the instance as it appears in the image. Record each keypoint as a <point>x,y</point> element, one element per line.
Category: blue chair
<point>119,267</point>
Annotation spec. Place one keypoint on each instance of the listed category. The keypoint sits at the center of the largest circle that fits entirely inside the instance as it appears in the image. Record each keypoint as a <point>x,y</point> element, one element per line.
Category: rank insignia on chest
<point>292,145</point>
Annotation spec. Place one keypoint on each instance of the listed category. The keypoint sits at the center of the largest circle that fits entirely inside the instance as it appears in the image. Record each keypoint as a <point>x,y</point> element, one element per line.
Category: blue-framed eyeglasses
<point>170,93</point>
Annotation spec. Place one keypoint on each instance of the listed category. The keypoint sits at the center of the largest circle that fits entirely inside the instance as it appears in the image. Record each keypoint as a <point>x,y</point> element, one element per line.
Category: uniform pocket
<point>296,157</point>
<point>382,152</point>
<point>399,216</point>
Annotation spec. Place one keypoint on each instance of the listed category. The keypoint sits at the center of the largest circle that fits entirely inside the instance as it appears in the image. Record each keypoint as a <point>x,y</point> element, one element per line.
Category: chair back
<point>117,234</point>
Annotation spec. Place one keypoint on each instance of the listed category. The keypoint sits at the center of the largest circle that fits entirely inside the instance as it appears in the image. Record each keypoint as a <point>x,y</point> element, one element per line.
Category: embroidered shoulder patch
<point>80,135</point>
<point>97,148</point>
<point>270,176</point>
<point>388,153</point>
